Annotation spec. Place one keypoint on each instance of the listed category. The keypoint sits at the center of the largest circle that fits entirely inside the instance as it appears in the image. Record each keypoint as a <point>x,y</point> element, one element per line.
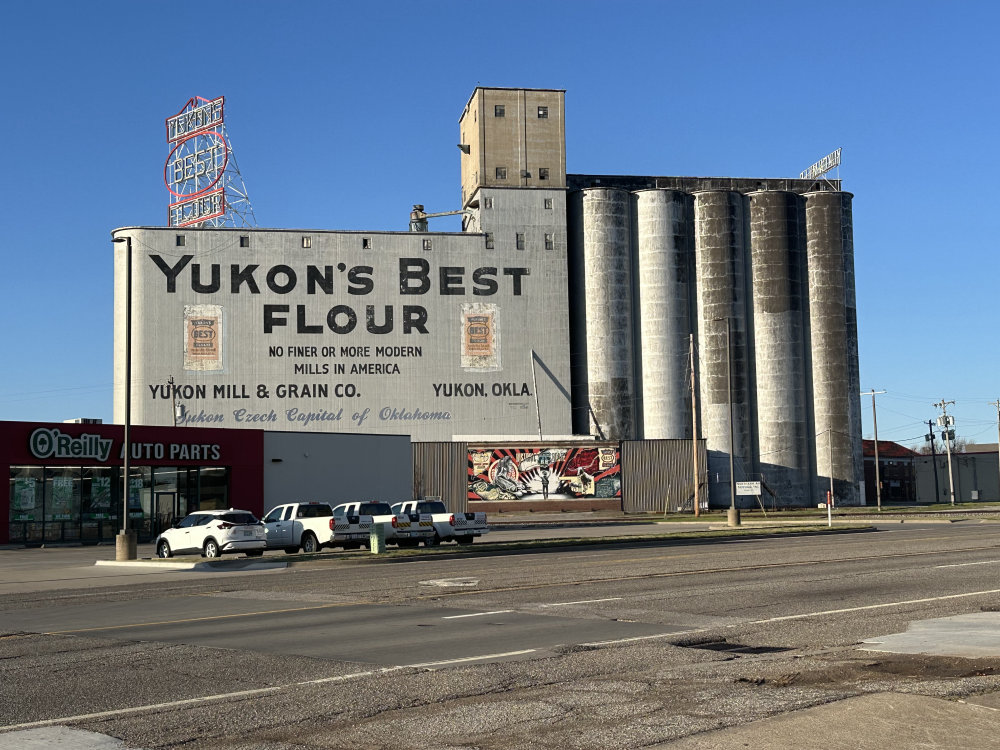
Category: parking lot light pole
<point>125,542</point>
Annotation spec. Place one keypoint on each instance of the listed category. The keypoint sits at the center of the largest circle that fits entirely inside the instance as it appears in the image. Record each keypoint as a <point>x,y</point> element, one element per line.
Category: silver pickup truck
<point>311,526</point>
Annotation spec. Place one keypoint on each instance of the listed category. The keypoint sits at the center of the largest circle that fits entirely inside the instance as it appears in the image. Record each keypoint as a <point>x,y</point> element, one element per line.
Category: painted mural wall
<point>544,472</point>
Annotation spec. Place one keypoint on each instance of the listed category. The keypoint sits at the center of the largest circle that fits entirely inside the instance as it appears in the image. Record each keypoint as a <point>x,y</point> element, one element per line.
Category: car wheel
<point>163,549</point>
<point>255,553</point>
<point>434,541</point>
<point>309,544</point>
<point>212,549</point>
<point>464,539</point>
<point>291,550</point>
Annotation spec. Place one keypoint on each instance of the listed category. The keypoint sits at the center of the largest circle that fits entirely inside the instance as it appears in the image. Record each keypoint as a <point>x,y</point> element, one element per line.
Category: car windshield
<point>240,519</point>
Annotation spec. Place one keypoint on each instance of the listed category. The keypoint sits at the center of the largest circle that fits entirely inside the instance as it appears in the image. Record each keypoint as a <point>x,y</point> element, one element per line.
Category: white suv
<point>210,533</point>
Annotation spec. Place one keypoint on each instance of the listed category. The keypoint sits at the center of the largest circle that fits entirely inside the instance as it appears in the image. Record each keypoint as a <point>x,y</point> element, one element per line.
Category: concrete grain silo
<point>602,243</point>
<point>833,326</point>
<point>769,261</point>
<point>665,222</point>
<point>780,318</point>
<point>851,352</point>
<point>723,331</point>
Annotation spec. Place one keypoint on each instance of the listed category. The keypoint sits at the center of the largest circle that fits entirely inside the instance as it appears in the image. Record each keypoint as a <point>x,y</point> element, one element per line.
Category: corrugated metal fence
<point>656,476</point>
<point>441,469</point>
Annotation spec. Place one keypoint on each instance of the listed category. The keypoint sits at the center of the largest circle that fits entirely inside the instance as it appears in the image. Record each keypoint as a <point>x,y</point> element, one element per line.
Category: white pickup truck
<point>462,527</point>
<point>405,529</point>
<point>311,526</point>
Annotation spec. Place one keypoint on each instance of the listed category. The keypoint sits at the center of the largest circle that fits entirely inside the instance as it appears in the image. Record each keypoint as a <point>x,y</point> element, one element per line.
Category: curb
<point>221,566</point>
<point>550,545</point>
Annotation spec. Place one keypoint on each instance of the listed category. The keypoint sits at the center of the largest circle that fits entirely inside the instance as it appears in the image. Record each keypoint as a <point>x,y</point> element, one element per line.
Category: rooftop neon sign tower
<point>205,185</point>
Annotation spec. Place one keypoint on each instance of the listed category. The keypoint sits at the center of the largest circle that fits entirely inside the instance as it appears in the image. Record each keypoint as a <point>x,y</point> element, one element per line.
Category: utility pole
<point>930,436</point>
<point>173,398</point>
<point>997,405</point>
<point>534,389</point>
<point>734,512</point>
<point>694,431</point>
<point>830,499</point>
<point>878,479</point>
<point>947,422</point>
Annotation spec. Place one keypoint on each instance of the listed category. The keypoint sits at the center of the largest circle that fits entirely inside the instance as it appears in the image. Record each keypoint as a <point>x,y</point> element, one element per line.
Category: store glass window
<point>139,499</point>
<point>214,488</point>
<point>169,495</point>
<point>98,505</point>
<point>53,503</point>
<point>26,503</point>
<point>62,503</point>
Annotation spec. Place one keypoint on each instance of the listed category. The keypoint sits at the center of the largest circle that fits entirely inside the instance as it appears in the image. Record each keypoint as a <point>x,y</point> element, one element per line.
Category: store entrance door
<point>164,511</point>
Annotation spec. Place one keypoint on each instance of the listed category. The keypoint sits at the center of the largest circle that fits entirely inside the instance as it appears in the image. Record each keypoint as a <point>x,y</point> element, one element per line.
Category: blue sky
<point>342,115</point>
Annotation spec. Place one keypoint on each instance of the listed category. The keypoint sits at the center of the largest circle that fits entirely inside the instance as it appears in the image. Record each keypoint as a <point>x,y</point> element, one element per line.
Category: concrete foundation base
<point>733,517</point>
<point>125,546</point>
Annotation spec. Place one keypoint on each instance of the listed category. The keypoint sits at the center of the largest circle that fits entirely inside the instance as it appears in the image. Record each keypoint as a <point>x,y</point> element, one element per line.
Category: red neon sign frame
<point>220,212</point>
<point>213,183</point>
<point>193,103</point>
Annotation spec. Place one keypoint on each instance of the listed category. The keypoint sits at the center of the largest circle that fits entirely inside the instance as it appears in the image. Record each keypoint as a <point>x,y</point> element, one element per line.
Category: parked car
<point>212,533</point>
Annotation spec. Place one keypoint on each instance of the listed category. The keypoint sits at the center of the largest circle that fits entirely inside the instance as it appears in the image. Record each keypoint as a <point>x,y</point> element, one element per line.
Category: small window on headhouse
<point>427,244</point>
<point>519,238</point>
<point>489,240</point>
<point>244,240</point>
<point>366,243</point>
<point>543,173</point>
<point>307,242</point>
<point>180,240</point>
<point>498,110</point>
<point>549,244</point>
<point>543,113</point>
<point>548,203</point>
<point>501,173</point>
<point>487,203</point>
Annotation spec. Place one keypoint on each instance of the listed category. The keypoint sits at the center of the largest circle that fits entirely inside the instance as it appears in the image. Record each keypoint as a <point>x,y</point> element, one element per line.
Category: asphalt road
<point>628,645</point>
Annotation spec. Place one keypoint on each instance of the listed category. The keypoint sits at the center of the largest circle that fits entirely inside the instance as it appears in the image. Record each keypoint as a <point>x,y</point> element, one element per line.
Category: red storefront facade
<point>66,479</point>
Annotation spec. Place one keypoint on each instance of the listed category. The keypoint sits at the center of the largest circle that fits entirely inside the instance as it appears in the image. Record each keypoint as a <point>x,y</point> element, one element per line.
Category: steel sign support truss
<point>201,173</point>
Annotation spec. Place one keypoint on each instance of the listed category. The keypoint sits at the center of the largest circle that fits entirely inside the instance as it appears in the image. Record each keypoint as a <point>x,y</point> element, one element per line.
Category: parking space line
<point>250,693</point>
<point>478,614</point>
<point>585,601</point>
<point>636,638</point>
<point>207,618</point>
<point>870,606</point>
<point>965,565</point>
<point>191,701</point>
<point>470,658</point>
